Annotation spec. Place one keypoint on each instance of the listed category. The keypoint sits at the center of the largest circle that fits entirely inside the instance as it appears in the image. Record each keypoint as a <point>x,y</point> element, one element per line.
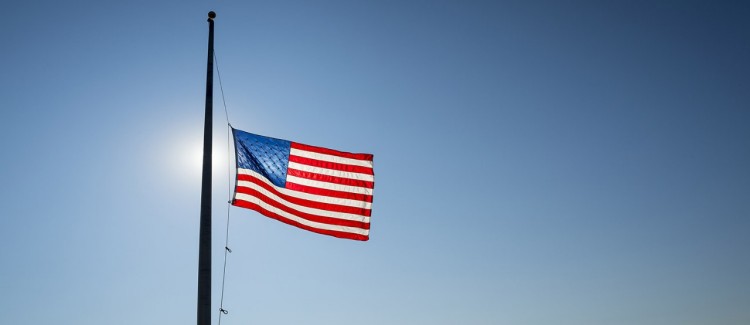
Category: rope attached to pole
<point>227,250</point>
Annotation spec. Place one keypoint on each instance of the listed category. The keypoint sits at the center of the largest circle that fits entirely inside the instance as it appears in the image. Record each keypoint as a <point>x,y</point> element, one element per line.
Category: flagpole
<point>204,251</point>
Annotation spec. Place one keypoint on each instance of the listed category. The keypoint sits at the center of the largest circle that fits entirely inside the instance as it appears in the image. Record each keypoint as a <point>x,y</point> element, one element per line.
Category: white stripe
<point>331,172</point>
<point>314,197</point>
<point>328,186</point>
<point>324,157</point>
<point>313,211</point>
<point>306,222</point>
<point>303,195</point>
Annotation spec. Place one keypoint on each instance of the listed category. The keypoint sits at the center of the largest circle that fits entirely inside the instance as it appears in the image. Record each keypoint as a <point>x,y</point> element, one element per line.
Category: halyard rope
<point>227,250</point>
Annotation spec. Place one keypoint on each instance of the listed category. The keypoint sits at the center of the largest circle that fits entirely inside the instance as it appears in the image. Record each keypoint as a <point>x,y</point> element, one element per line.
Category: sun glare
<point>195,159</point>
<point>189,158</point>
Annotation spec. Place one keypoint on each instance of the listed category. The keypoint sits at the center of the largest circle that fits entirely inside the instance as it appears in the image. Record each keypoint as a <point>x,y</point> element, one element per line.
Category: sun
<point>194,157</point>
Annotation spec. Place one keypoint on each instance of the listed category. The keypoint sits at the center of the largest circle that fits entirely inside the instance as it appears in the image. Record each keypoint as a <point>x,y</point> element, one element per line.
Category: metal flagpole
<point>204,251</point>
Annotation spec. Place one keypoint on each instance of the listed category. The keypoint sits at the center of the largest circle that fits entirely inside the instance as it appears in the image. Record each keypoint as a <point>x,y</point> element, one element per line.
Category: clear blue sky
<point>537,162</point>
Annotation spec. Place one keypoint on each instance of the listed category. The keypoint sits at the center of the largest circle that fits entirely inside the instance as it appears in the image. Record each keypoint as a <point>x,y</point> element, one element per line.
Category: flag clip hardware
<point>228,250</point>
<point>223,311</point>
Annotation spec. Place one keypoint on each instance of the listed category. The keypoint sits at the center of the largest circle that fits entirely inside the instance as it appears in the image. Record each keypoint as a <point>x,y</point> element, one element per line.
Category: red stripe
<point>358,156</point>
<point>331,165</point>
<point>327,192</point>
<point>304,202</point>
<point>312,217</point>
<point>329,179</point>
<point>261,210</point>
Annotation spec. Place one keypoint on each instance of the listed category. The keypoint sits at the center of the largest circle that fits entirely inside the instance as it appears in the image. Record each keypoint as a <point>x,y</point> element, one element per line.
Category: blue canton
<point>267,156</point>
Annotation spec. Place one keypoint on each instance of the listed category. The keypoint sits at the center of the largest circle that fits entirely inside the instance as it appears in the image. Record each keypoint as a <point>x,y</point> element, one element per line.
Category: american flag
<point>317,189</point>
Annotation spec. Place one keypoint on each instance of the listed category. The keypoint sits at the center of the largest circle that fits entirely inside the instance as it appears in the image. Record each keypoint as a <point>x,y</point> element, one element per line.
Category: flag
<point>317,189</point>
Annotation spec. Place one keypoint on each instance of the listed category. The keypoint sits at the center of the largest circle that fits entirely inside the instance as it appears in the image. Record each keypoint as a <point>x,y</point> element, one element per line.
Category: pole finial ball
<point>211,15</point>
